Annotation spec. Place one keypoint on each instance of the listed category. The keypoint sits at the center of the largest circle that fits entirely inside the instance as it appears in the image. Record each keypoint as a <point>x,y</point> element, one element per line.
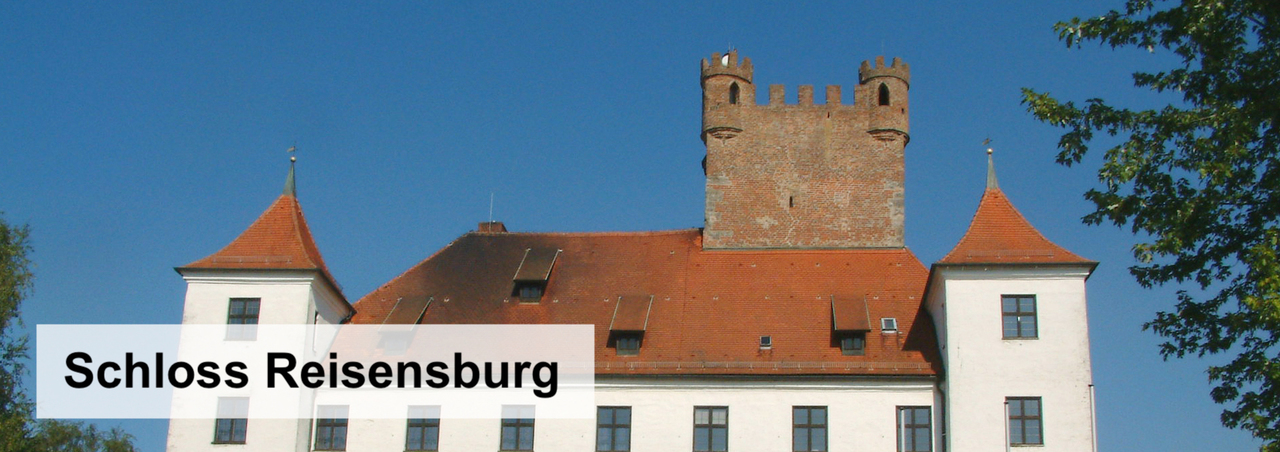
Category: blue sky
<point>142,136</point>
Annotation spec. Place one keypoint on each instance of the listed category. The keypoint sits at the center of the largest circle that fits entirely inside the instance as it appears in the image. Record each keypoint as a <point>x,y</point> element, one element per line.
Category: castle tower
<point>1010,311</point>
<point>272,273</point>
<point>803,175</point>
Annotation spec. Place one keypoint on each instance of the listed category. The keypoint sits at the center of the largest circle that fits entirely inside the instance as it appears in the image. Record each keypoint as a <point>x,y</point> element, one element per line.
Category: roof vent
<point>889,325</point>
<point>766,342</point>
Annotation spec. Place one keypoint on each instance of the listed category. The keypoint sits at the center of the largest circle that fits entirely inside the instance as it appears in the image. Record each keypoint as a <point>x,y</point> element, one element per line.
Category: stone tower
<point>803,175</point>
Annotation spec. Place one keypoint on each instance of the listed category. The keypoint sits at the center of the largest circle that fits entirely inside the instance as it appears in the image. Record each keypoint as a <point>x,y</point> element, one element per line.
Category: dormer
<point>530,281</point>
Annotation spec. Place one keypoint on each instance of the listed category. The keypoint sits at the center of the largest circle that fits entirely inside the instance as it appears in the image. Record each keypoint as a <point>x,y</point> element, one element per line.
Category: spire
<point>991,170</point>
<point>999,234</point>
<point>291,187</point>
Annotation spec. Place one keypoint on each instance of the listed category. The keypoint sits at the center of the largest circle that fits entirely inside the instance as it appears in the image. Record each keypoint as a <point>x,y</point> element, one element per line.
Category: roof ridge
<point>592,233</point>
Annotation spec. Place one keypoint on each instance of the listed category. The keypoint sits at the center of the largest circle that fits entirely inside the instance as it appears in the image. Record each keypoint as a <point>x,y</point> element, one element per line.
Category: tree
<point>1199,179</point>
<point>19,431</point>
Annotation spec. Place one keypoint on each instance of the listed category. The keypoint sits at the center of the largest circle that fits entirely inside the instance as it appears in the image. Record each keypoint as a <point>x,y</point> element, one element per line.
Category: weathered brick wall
<point>804,175</point>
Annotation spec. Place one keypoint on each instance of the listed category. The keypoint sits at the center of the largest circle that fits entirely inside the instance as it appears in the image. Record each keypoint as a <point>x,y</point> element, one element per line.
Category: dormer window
<point>850,322</point>
<point>530,281</point>
<point>627,343</point>
<point>529,291</point>
<point>630,320</point>
<point>852,343</point>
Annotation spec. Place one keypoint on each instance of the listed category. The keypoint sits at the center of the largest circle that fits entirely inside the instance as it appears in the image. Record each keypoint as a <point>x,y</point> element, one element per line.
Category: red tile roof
<point>709,307</point>
<point>999,234</point>
<point>279,239</point>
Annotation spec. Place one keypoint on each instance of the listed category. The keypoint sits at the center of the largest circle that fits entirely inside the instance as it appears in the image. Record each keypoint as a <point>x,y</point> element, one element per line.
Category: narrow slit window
<point>884,94</point>
<point>733,93</point>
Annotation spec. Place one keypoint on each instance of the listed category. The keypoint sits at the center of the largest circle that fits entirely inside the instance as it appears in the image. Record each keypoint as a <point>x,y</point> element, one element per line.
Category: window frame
<point>225,404</point>
<point>1020,317</point>
<point>519,424</point>
<point>424,424</point>
<point>1024,419</point>
<point>334,425</point>
<point>854,337</point>
<point>912,427</point>
<point>627,337</point>
<point>236,329</point>
<point>711,426</point>
<point>809,426</point>
<point>613,426</point>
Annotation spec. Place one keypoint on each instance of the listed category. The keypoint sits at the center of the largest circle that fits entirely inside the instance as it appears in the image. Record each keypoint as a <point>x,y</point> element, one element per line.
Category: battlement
<point>805,96</point>
<point>727,65</point>
<point>897,69</point>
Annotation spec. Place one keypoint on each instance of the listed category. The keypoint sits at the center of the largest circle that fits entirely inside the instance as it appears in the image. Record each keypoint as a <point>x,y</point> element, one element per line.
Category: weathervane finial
<point>991,167</point>
<point>291,187</point>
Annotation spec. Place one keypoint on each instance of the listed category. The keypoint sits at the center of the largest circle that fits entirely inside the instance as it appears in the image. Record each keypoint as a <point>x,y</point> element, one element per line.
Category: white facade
<point>983,368</point>
<point>285,297</point>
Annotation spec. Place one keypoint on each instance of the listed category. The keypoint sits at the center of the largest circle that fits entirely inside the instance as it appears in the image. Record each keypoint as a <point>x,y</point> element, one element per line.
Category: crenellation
<point>833,95</point>
<point>777,95</point>
<point>805,175</point>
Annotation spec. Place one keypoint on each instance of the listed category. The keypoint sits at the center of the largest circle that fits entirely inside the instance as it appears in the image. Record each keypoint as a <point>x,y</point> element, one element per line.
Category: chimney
<point>492,226</point>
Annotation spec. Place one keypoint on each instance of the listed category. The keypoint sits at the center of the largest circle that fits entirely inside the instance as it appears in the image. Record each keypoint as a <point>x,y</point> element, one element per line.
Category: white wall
<point>287,297</point>
<point>861,415</point>
<point>983,368</point>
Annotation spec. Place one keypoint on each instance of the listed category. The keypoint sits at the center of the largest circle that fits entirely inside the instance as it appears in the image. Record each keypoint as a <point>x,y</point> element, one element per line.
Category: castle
<point>796,319</point>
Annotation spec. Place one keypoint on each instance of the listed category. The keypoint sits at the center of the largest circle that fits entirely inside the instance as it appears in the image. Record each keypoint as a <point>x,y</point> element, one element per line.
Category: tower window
<point>1024,421</point>
<point>1019,312</point>
<point>884,94</point>
<point>233,420</point>
<point>733,93</point>
<point>242,319</point>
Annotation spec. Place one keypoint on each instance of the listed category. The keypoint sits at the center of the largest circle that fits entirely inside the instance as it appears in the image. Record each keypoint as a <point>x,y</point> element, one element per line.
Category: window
<point>331,428</point>
<point>913,429</point>
<point>852,344</point>
<point>884,94</point>
<point>710,428</point>
<point>1024,421</point>
<point>233,420</point>
<point>889,325</point>
<point>766,342</point>
<point>733,93</point>
<point>613,428</point>
<point>517,427</point>
<point>242,319</point>
<point>627,344</point>
<point>423,429</point>
<point>1019,316</point>
<point>529,291</point>
<point>809,428</point>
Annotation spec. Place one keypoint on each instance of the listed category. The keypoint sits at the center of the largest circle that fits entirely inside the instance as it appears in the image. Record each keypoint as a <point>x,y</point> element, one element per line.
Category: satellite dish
<point>724,60</point>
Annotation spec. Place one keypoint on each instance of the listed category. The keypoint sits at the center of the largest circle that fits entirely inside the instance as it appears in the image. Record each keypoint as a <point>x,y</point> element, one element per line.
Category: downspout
<point>1008,442</point>
<point>1093,418</point>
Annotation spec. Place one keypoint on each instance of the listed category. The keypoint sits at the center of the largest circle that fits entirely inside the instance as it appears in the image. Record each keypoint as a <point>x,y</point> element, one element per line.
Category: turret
<point>1010,310</point>
<point>726,86</point>
<point>884,90</point>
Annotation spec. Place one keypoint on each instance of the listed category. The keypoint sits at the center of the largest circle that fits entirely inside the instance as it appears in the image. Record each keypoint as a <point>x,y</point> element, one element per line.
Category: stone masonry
<point>804,175</point>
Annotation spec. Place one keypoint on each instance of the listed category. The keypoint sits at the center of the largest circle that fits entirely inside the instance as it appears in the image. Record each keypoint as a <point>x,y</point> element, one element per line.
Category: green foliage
<point>1201,178</point>
<point>19,431</point>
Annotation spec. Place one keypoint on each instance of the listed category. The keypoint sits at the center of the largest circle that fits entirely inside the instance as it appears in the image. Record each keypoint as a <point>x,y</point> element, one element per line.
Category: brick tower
<point>803,175</point>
